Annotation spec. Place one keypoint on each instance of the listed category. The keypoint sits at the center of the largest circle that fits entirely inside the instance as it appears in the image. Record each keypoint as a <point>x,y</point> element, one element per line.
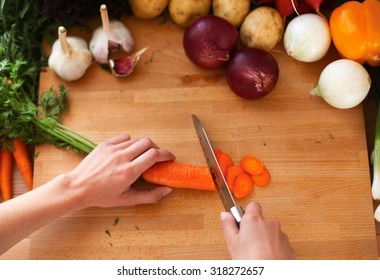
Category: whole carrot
<point>179,175</point>
<point>22,159</point>
<point>6,173</point>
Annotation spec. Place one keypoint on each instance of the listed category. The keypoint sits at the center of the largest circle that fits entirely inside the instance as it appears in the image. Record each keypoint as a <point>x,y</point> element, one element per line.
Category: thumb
<point>229,226</point>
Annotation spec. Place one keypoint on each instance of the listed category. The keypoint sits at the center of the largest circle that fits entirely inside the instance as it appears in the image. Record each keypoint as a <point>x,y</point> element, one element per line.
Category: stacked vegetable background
<point>237,36</point>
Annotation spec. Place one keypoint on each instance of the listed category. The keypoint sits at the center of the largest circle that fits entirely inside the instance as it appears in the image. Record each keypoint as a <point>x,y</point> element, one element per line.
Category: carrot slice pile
<point>242,179</point>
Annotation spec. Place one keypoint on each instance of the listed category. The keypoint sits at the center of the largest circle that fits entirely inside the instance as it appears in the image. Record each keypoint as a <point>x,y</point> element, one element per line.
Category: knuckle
<point>115,158</point>
<point>152,153</point>
<point>147,141</point>
<point>253,216</point>
<point>275,224</point>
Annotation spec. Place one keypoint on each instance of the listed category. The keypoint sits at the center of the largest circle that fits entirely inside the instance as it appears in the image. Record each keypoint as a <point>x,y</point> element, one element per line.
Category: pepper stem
<point>105,19</point>
<point>62,35</point>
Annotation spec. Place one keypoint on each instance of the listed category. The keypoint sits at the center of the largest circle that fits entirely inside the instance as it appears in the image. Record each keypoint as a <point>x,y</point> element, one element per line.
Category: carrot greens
<point>20,116</point>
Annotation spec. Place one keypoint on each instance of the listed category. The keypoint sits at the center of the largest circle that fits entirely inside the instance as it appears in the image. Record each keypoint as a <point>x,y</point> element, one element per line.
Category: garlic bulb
<point>307,37</point>
<point>70,56</point>
<point>111,37</point>
<point>343,84</point>
<point>124,66</point>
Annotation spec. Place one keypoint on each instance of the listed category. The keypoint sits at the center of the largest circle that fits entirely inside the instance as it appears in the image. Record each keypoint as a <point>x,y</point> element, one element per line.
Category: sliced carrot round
<point>224,161</point>
<point>243,186</point>
<point>217,153</point>
<point>262,179</point>
<point>232,173</point>
<point>252,165</point>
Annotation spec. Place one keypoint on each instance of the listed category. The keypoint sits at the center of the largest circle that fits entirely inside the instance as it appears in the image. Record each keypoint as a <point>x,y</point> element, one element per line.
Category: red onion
<point>252,73</point>
<point>209,41</point>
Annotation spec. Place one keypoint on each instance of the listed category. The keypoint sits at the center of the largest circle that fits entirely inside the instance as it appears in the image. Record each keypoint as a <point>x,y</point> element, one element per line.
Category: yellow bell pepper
<point>355,31</point>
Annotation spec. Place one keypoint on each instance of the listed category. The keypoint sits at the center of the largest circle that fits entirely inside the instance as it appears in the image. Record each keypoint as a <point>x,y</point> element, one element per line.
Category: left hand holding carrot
<point>102,179</point>
<point>105,176</point>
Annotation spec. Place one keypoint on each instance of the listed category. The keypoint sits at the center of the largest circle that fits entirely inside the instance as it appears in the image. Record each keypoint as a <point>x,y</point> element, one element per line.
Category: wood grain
<point>317,155</point>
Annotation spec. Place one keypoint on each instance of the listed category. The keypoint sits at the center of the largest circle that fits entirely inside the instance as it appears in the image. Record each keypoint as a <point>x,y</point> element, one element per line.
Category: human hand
<point>105,176</point>
<point>258,237</point>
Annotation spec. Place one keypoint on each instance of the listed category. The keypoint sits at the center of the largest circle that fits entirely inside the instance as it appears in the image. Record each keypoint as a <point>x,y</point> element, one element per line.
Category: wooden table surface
<point>317,155</point>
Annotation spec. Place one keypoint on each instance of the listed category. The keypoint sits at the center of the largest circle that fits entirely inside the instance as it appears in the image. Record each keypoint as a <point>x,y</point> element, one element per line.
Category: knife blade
<point>216,172</point>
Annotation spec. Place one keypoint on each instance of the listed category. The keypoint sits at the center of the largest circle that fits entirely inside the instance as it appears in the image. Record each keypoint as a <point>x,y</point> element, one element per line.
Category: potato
<point>184,12</point>
<point>262,28</point>
<point>232,10</point>
<point>148,9</point>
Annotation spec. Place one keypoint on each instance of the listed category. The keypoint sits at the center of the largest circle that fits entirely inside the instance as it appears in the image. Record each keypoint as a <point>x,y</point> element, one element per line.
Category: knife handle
<point>237,212</point>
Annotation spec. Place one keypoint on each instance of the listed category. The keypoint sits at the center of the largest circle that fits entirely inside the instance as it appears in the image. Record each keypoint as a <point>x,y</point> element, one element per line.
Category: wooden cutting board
<point>317,155</point>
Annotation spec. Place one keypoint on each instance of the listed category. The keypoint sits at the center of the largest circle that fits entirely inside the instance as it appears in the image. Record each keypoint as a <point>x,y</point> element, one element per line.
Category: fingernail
<point>167,191</point>
<point>223,215</point>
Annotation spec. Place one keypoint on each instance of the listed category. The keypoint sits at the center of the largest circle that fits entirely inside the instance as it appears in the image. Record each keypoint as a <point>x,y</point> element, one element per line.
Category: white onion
<point>343,84</point>
<point>307,37</point>
<point>377,214</point>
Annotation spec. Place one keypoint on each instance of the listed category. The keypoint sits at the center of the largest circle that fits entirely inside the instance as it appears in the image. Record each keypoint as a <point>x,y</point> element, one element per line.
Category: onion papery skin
<point>252,73</point>
<point>209,42</point>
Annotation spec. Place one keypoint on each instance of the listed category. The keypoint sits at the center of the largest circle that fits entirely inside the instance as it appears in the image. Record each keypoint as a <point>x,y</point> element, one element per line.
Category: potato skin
<point>148,9</point>
<point>232,10</point>
<point>184,12</point>
<point>262,28</point>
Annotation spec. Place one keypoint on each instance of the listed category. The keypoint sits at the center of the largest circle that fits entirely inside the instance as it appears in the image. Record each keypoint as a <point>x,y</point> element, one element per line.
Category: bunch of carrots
<point>240,179</point>
<point>18,152</point>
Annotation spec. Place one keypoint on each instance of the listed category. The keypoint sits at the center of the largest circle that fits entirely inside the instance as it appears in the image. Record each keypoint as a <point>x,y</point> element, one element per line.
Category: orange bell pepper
<point>355,31</point>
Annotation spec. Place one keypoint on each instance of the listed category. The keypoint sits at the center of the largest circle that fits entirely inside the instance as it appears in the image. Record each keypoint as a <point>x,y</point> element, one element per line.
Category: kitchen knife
<point>219,180</point>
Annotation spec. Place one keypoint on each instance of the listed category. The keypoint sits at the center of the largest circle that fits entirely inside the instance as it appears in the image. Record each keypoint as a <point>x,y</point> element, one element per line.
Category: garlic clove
<point>70,56</point>
<point>120,35</point>
<point>99,46</point>
<point>111,37</point>
<point>124,66</point>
